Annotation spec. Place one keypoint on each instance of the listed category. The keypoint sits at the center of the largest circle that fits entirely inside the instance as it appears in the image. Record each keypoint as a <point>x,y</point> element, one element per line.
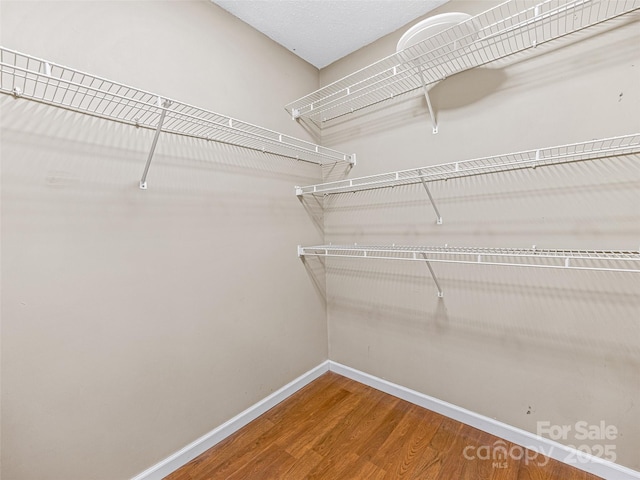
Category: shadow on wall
<point>107,151</point>
<point>454,91</point>
<point>595,48</point>
<point>316,271</point>
<point>569,201</point>
<point>312,129</point>
<point>336,170</point>
<point>448,94</point>
<point>584,320</point>
<point>314,208</point>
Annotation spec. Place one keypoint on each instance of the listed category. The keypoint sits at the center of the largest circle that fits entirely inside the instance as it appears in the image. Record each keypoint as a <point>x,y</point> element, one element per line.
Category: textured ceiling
<point>323,31</point>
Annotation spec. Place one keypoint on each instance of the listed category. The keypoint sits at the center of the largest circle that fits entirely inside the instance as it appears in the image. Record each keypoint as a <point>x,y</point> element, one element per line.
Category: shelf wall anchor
<point>424,184</point>
<point>433,275</point>
<point>163,105</point>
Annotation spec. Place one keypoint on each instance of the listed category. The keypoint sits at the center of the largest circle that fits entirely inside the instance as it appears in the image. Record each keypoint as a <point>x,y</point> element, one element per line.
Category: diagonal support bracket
<point>433,275</point>
<point>163,105</point>
<point>433,204</point>
<point>432,113</point>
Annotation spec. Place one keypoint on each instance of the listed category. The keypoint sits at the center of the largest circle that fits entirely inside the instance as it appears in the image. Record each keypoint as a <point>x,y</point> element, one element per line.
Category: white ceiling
<point>323,31</point>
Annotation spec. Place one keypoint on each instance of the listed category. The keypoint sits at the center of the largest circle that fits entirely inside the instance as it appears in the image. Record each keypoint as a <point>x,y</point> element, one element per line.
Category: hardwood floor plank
<point>545,468</point>
<point>354,426</point>
<point>452,455</point>
<point>304,465</point>
<point>329,466</point>
<point>358,428</point>
<point>307,400</point>
<point>503,466</point>
<point>299,441</point>
<point>369,471</point>
<point>382,430</point>
<point>232,459</point>
<point>428,465</point>
<point>261,466</point>
<point>437,448</point>
<point>338,429</point>
<point>472,468</point>
<point>393,444</point>
<point>370,445</point>
<point>215,456</point>
<point>403,455</point>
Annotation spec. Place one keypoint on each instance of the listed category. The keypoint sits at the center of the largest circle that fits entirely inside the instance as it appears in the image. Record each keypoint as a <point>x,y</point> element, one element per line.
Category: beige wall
<point>518,345</point>
<point>135,321</point>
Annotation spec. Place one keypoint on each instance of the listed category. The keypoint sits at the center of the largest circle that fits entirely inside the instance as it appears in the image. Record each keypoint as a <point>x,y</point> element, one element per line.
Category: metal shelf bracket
<point>432,114</point>
<point>163,105</point>
<point>424,184</point>
<point>433,275</point>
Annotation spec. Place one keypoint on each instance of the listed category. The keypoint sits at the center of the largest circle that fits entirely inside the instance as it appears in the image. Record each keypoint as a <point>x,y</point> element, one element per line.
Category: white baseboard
<point>204,443</point>
<point>589,463</point>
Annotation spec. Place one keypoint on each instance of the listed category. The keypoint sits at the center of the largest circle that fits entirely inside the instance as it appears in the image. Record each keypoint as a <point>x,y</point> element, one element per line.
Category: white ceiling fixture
<point>323,31</point>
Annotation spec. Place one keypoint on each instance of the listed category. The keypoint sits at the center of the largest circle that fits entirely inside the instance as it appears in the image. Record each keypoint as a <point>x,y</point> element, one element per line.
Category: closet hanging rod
<point>26,76</point>
<point>627,261</point>
<point>573,152</point>
<point>499,32</point>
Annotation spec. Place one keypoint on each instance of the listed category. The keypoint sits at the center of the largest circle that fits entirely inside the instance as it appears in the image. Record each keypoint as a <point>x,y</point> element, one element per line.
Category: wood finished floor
<point>338,429</point>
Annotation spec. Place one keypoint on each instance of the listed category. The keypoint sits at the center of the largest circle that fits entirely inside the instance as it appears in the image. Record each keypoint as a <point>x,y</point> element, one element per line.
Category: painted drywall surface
<point>133,321</point>
<point>520,345</point>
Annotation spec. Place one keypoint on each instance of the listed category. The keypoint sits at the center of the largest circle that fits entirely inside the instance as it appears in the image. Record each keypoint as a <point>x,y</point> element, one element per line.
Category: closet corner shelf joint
<point>497,33</point>
<point>25,76</point>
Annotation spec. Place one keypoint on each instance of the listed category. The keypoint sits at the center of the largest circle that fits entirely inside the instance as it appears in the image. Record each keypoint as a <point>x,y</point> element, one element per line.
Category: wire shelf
<point>600,260</point>
<point>25,76</point>
<point>594,149</point>
<point>511,27</point>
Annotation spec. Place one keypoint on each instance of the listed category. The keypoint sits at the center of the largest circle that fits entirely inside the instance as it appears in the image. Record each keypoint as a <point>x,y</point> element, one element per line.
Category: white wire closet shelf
<point>25,76</point>
<point>600,260</point>
<point>573,152</point>
<point>506,29</point>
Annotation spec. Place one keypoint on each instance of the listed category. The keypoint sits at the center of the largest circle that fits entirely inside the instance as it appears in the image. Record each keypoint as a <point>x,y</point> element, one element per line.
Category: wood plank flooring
<point>338,429</point>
